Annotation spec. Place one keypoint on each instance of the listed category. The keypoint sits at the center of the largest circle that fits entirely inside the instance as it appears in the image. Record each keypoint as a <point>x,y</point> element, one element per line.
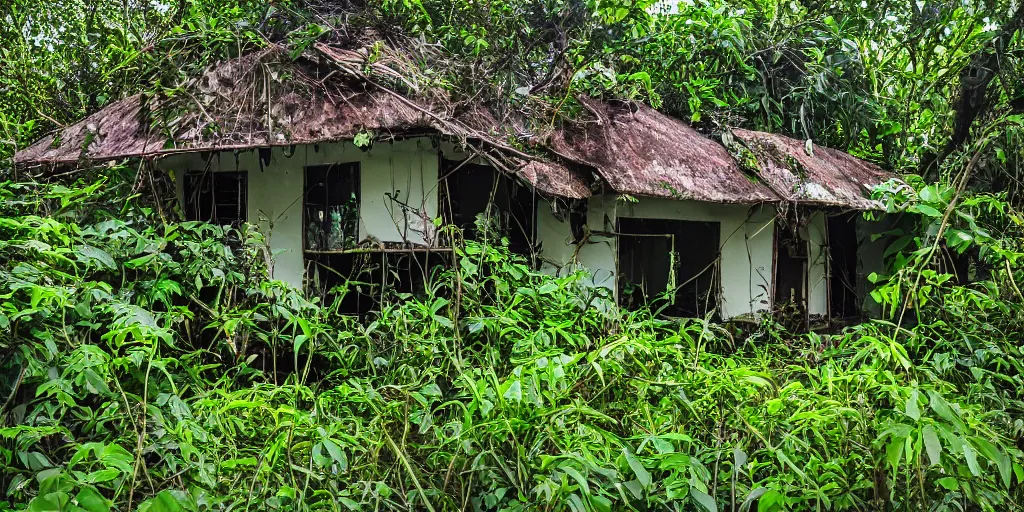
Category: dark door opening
<point>669,264</point>
<point>789,296</point>
<point>466,193</point>
<point>216,197</point>
<point>842,266</point>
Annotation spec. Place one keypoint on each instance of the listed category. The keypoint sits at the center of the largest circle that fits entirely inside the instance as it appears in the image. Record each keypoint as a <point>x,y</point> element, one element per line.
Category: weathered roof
<point>555,179</point>
<point>238,103</point>
<point>266,99</point>
<point>641,151</point>
<point>824,176</point>
<point>263,99</point>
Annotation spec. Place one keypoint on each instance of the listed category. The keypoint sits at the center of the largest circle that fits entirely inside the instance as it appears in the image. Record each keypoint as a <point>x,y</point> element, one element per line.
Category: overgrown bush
<point>148,365</point>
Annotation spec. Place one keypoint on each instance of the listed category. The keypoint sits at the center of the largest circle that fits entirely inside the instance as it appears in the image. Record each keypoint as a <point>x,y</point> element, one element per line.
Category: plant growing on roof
<point>363,139</point>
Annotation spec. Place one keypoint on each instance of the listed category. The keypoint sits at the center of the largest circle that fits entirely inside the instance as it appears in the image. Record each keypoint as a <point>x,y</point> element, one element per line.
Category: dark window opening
<point>578,221</point>
<point>216,197</point>
<point>842,265</point>
<point>468,190</point>
<point>790,286</point>
<point>331,216</point>
<point>362,281</point>
<point>671,265</point>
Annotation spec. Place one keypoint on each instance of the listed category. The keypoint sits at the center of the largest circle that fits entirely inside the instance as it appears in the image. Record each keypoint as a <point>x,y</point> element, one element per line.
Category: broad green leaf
<point>739,459</point>
<point>972,458</point>
<point>91,500</point>
<point>89,253</point>
<point>337,454</point>
<point>103,475</point>
<point>932,445</point>
<point>580,479</point>
<point>52,502</point>
<point>514,391</point>
<point>638,469</point>
<point>949,483</point>
<point>912,409</point>
<point>942,408</point>
<point>234,463</point>
<point>894,452</point>
<point>930,194</point>
<point>547,288</point>
<point>635,488</point>
<point>928,210</point>
<point>754,495</point>
<point>703,499</point>
<point>165,501</point>
<point>997,457</point>
<point>576,504</point>
<point>600,503</point>
<point>772,501</point>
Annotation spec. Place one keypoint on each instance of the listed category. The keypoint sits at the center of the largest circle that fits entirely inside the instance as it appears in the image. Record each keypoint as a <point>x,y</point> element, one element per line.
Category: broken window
<point>676,260</point>
<point>842,266</point>
<point>216,197</point>
<point>790,284</point>
<point>331,207</point>
<point>505,206</point>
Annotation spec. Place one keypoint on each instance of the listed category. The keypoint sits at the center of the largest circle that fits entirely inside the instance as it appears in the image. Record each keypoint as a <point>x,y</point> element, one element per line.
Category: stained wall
<point>746,244</point>
<point>398,192</point>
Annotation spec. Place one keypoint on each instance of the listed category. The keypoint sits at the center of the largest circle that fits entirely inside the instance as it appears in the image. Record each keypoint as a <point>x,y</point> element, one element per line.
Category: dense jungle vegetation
<point>147,364</point>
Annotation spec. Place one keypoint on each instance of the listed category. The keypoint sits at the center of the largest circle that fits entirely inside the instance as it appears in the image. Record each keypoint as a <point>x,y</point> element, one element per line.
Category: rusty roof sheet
<point>265,99</point>
<point>826,176</point>
<point>260,100</point>
<point>641,151</point>
<point>248,102</point>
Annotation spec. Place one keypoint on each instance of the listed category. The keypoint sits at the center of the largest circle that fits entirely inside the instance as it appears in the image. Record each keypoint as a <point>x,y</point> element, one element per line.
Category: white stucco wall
<point>746,244</point>
<point>406,170</point>
<point>816,235</point>
<point>597,255</point>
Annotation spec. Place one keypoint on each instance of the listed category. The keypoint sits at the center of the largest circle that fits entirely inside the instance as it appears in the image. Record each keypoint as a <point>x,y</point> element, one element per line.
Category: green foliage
<point>160,371</point>
<point>878,78</point>
<point>149,365</point>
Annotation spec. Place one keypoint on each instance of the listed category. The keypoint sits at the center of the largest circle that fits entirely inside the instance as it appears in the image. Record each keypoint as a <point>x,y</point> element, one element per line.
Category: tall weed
<point>150,366</point>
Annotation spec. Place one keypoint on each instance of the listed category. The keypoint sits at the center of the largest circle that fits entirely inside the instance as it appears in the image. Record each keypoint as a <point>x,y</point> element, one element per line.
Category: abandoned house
<point>343,175</point>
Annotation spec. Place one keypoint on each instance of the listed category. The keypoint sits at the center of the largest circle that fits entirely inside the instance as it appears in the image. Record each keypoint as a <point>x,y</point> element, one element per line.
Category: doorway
<point>789,297</point>
<point>844,303</point>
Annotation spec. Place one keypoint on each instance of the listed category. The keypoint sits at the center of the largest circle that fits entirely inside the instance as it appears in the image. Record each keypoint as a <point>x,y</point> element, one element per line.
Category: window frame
<point>354,170</point>
<point>674,230</point>
<point>192,204</point>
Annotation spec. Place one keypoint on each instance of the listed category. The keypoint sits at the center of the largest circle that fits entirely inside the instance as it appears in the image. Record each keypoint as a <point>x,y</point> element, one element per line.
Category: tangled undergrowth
<point>147,365</point>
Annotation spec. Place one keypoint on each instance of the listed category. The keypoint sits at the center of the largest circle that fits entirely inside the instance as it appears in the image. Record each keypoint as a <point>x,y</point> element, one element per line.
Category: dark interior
<point>650,250</point>
<point>791,260</point>
<point>331,217</point>
<point>216,197</point>
<point>360,279</point>
<point>842,251</point>
<point>468,190</point>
